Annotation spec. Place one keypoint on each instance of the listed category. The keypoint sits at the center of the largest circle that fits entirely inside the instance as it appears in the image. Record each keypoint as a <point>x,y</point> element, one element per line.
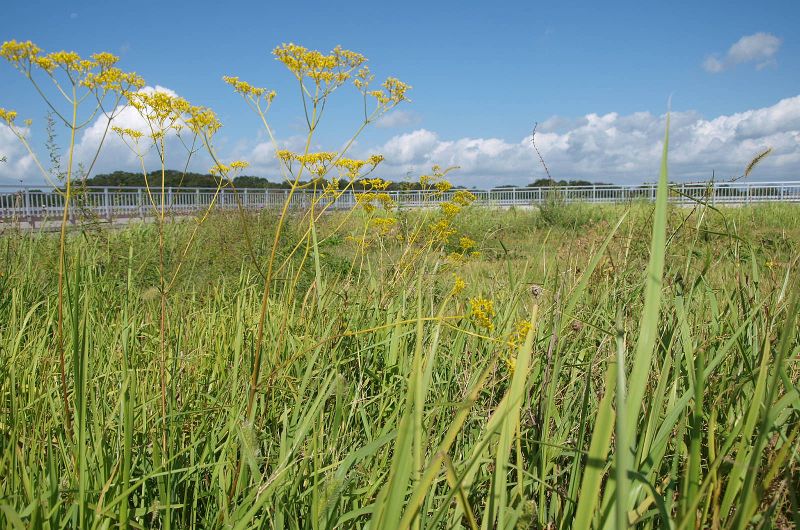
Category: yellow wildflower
<point>384,224</point>
<point>246,89</point>
<point>219,169</point>
<point>450,209</point>
<point>125,131</point>
<point>458,284</point>
<point>19,52</point>
<point>463,197</point>
<point>482,312</point>
<point>443,186</point>
<point>441,230</point>
<point>8,116</point>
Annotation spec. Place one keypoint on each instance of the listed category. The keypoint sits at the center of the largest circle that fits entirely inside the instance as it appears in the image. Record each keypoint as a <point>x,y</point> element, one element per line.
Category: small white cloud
<point>759,48</point>
<point>713,64</point>
<point>397,118</point>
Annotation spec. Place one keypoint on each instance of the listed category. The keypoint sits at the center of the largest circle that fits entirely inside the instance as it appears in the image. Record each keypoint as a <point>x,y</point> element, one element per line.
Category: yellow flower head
<point>246,89</point>
<point>463,198</point>
<point>330,70</point>
<point>441,230</point>
<point>450,209</point>
<point>376,183</point>
<point>317,163</point>
<point>113,79</point>
<point>458,284</point>
<point>19,52</point>
<point>8,116</point>
<point>71,62</point>
<point>466,243</point>
<point>443,186</point>
<point>202,120</point>
<point>219,169</point>
<point>131,133</point>
<point>239,165</point>
<point>105,59</point>
<point>384,224</point>
<point>482,312</point>
<point>350,167</point>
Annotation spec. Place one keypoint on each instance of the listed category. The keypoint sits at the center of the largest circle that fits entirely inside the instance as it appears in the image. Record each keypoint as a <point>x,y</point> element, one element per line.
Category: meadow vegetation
<point>571,366</point>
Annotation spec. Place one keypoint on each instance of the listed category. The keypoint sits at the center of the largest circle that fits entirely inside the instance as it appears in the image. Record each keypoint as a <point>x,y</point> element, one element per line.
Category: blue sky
<point>596,75</point>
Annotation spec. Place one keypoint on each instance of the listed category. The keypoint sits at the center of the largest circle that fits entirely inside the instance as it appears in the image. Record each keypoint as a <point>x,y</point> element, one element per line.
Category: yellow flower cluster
<point>463,198</point>
<point>521,329</point>
<point>375,184</point>
<point>367,199</point>
<point>466,243</point>
<point>350,167</point>
<point>164,111</point>
<point>393,92</point>
<point>331,187</point>
<point>19,52</point>
<point>363,78</point>
<point>443,186</point>
<point>219,169</point>
<point>384,224</point>
<point>130,133</point>
<point>113,79</point>
<point>450,209</point>
<point>482,312</point>
<point>223,169</point>
<point>436,178</point>
<point>8,116</point>
<point>441,230</point>
<point>458,284</point>
<point>99,73</point>
<point>316,163</point>
<point>516,339</point>
<point>246,89</point>
<point>331,70</point>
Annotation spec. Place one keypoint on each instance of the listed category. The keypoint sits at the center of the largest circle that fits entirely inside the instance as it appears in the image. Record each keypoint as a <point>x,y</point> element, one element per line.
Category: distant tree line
<point>175,178</point>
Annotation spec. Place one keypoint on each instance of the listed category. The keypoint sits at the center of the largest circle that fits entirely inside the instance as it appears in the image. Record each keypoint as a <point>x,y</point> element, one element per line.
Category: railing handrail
<point>31,204</point>
<point>47,188</point>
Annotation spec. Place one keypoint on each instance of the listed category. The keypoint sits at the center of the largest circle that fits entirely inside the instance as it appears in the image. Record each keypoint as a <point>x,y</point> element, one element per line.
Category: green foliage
<point>381,400</point>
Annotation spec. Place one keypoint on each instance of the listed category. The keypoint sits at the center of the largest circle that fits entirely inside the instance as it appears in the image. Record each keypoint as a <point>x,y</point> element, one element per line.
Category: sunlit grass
<point>385,401</point>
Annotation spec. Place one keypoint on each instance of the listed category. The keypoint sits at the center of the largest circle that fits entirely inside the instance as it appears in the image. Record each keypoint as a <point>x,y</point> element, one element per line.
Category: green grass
<point>658,385</point>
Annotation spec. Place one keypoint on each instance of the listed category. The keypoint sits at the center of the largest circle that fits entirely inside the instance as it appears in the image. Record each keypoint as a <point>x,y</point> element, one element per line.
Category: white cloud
<point>115,154</point>
<point>613,148</point>
<point>759,48</point>
<point>19,165</point>
<point>397,118</point>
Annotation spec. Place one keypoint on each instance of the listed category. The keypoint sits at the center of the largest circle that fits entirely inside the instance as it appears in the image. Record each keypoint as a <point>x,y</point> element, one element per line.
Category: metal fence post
<point>107,204</point>
<point>27,206</point>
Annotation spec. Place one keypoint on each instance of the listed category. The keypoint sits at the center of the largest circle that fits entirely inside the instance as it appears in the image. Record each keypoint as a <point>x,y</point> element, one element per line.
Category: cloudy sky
<point>596,77</point>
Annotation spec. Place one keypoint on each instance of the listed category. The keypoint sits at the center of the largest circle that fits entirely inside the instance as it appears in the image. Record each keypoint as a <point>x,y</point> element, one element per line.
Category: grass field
<point>566,383</point>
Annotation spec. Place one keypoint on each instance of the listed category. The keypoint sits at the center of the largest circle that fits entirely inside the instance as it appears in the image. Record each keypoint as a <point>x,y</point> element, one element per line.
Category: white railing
<point>31,204</point>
